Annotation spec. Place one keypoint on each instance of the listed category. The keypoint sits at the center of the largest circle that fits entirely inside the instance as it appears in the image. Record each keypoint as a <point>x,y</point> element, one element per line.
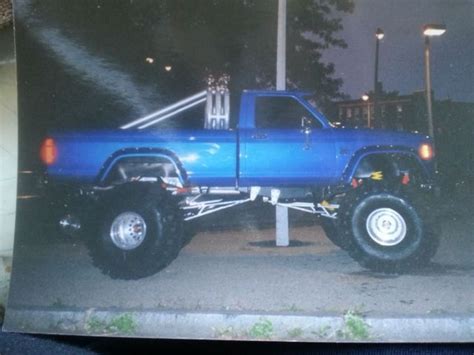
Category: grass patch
<point>355,327</point>
<point>262,329</point>
<point>123,324</point>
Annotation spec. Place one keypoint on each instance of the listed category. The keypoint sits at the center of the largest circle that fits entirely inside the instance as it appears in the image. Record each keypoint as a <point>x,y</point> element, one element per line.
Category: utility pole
<point>281,47</point>
<point>282,229</point>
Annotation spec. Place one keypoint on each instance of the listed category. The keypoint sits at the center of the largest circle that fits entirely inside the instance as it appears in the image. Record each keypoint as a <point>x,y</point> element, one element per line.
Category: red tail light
<point>48,152</point>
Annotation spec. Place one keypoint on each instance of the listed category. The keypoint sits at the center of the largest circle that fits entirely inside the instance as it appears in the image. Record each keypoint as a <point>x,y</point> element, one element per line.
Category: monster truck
<point>131,190</point>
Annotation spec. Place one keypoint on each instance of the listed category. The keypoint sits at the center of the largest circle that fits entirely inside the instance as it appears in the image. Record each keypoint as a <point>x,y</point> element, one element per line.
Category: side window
<point>280,113</point>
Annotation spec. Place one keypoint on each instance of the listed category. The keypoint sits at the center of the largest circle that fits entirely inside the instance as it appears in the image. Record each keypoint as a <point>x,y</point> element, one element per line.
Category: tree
<point>239,37</point>
<point>96,52</point>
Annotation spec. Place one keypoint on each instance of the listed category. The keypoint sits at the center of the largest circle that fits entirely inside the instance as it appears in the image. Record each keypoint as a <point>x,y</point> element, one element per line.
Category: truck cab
<point>283,140</point>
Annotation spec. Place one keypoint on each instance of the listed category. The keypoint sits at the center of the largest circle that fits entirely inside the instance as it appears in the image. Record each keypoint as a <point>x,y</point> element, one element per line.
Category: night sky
<point>401,61</point>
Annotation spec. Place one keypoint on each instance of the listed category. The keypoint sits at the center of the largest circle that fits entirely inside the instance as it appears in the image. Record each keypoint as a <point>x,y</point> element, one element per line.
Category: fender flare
<point>358,156</point>
<point>113,159</point>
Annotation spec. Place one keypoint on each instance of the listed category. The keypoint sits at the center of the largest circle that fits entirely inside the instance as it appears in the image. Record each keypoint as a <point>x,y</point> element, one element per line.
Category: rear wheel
<point>387,231</point>
<point>139,232</point>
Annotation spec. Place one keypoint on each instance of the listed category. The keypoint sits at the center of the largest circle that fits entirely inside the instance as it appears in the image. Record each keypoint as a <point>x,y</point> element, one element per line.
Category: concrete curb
<point>196,325</point>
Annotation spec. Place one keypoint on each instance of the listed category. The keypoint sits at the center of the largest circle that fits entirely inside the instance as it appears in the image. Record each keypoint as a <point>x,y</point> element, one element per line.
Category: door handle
<point>259,136</point>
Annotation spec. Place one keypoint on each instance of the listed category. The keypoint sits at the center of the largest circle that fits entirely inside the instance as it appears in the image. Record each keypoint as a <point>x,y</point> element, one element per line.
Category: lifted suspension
<point>195,208</point>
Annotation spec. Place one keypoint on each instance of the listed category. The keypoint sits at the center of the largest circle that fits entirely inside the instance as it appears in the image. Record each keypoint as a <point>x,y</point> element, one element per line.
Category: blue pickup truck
<point>134,188</point>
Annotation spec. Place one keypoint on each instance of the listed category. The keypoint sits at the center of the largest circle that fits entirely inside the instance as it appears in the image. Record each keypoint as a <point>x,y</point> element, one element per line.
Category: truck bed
<point>209,157</point>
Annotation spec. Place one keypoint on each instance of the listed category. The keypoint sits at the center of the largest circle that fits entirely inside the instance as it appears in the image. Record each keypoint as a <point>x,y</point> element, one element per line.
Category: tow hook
<point>70,224</point>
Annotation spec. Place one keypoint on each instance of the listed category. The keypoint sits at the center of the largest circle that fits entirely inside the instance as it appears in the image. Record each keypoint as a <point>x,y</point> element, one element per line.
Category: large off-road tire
<point>333,233</point>
<point>387,229</point>
<point>138,232</point>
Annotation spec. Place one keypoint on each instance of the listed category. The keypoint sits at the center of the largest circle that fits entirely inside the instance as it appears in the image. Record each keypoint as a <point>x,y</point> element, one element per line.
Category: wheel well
<point>391,165</point>
<point>128,169</point>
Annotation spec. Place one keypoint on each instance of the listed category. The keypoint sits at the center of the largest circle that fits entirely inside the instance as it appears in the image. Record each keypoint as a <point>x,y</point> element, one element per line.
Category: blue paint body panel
<point>209,157</point>
<point>246,156</point>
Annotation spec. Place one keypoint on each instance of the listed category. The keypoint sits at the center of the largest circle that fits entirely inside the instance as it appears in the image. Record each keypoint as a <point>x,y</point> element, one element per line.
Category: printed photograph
<point>284,170</point>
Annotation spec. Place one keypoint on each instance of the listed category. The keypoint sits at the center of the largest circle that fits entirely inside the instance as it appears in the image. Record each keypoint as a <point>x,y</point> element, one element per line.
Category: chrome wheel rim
<point>386,226</point>
<point>128,230</point>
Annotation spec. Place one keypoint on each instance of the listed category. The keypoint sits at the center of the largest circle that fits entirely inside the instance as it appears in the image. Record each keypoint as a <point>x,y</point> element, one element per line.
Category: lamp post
<point>430,31</point>
<point>366,98</point>
<point>379,35</point>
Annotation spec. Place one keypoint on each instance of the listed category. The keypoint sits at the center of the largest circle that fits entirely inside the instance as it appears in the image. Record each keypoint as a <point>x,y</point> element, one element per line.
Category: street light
<point>379,35</point>
<point>430,31</point>
<point>366,98</point>
<point>434,30</point>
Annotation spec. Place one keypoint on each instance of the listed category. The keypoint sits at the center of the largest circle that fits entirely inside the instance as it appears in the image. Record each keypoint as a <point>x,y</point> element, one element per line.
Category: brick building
<point>398,112</point>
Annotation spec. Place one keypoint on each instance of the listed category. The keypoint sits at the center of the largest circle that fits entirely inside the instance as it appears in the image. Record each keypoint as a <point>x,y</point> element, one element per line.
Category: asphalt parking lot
<point>232,265</point>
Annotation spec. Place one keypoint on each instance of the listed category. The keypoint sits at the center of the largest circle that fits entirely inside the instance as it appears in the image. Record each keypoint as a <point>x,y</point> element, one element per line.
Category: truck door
<point>286,145</point>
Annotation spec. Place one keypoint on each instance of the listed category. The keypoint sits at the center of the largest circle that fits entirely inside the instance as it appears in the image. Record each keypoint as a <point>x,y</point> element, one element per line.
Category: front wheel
<point>331,229</point>
<point>139,232</point>
<point>387,232</point>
